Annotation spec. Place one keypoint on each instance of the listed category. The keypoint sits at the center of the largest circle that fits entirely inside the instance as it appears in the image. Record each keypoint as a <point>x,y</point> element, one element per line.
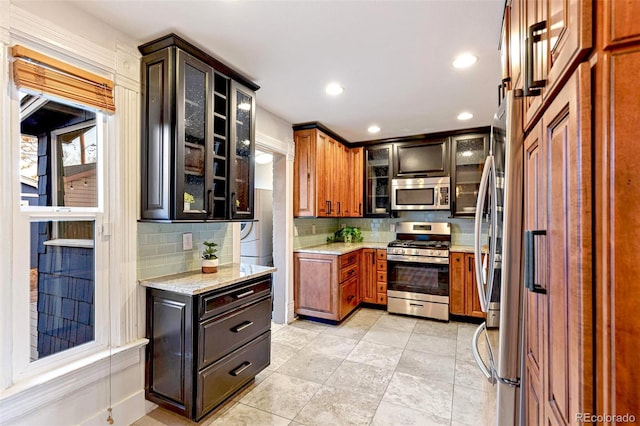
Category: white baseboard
<point>125,412</point>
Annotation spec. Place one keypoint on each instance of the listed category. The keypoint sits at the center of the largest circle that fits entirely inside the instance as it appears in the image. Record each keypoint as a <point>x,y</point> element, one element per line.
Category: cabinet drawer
<point>381,276</point>
<point>382,288</point>
<point>382,299</point>
<point>218,381</point>
<point>348,296</point>
<point>349,272</point>
<point>381,266</point>
<point>223,334</point>
<point>381,254</point>
<point>219,302</point>
<point>349,258</point>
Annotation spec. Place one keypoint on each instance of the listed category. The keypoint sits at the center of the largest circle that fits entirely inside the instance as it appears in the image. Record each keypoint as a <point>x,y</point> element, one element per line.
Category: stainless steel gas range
<point>418,270</point>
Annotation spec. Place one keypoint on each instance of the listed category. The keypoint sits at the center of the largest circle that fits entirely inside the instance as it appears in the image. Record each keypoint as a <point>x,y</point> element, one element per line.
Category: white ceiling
<point>393,57</point>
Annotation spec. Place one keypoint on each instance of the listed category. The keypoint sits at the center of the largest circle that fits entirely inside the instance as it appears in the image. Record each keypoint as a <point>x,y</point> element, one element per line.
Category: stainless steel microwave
<point>421,194</point>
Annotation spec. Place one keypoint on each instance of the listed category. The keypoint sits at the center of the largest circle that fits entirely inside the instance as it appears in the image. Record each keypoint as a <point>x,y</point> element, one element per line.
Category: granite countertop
<point>461,248</point>
<point>340,248</point>
<point>195,282</point>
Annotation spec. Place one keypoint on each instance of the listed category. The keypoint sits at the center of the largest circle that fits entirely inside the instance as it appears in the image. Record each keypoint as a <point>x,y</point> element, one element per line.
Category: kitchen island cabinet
<point>209,335</point>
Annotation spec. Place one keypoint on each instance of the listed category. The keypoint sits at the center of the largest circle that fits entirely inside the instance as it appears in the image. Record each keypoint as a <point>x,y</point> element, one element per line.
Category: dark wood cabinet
<point>377,180</point>
<point>464,298</point>
<point>197,137</point>
<point>204,348</point>
<point>468,154</point>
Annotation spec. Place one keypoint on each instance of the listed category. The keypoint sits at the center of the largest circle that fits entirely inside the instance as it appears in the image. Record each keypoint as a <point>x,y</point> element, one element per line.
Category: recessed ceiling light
<point>333,89</point>
<point>465,60</point>
<point>373,129</point>
<point>465,116</point>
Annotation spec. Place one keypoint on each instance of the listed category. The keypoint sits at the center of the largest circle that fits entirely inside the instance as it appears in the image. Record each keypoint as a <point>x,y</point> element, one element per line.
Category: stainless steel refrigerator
<point>499,260</point>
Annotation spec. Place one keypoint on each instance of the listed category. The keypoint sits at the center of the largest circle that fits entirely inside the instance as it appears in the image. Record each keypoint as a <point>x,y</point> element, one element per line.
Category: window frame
<point>23,369</point>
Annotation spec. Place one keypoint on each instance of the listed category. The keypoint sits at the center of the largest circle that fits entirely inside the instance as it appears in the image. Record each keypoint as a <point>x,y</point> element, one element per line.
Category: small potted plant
<point>209,258</point>
<point>188,200</point>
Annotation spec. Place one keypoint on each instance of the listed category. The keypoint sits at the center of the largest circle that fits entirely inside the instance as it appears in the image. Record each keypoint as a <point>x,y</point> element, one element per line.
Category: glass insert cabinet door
<point>377,180</point>
<point>243,147</point>
<point>195,129</point>
<point>469,153</point>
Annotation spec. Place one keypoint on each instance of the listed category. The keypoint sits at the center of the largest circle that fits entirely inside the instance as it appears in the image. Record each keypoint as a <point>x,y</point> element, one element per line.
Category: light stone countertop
<point>195,282</point>
<point>340,248</point>
<point>461,249</point>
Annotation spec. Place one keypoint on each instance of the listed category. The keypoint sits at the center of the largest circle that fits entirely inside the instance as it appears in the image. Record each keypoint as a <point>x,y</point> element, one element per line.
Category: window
<point>60,166</point>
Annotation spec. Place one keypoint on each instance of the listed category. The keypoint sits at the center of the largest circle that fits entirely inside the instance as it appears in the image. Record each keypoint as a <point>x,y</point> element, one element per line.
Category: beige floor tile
<point>437,328</point>
<point>281,395</point>
<point>280,354</point>
<point>349,330</point>
<point>390,414</point>
<point>242,415</point>
<point>336,406</point>
<point>473,407</point>
<point>294,337</point>
<point>258,379</point>
<point>468,374</point>
<point>375,355</point>
<point>420,394</point>
<point>387,337</point>
<point>396,322</point>
<point>360,378</point>
<point>312,366</point>
<point>435,345</point>
<point>428,366</point>
<point>328,344</point>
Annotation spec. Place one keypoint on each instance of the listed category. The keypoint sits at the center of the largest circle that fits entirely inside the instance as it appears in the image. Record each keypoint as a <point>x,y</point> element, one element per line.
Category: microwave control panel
<point>444,196</point>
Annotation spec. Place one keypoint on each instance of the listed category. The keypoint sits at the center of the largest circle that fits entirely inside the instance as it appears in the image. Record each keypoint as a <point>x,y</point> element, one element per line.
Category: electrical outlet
<point>313,229</point>
<point>295,230</point>
<point>392,227</point>
<point>187,241</point>
<point>343,225</point>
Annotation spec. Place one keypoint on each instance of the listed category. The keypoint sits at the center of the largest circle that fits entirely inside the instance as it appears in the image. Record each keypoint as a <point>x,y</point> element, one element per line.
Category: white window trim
<point>121,63</point>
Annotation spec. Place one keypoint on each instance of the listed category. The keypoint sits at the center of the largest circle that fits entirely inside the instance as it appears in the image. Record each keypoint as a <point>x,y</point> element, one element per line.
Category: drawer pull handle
<point>242,326</point>
<point>416,304</point>
<point>350,298</point>
<point>240,369</point>
<point>351,272</point>
<point>245,294</point>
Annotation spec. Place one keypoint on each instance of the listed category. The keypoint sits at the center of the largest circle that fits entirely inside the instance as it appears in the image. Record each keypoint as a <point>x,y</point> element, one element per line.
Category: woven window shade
<point>39,73</point>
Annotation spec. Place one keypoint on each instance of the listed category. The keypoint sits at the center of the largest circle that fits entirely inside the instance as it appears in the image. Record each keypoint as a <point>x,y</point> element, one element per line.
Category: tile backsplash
<point>160,246</point>
<point>379,229</point>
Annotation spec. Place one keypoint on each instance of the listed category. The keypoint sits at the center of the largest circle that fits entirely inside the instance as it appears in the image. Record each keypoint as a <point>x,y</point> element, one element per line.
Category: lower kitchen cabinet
<point>373,281</point>
<point>326,286</point>
<point>463,290</point>
<point>203,348</point>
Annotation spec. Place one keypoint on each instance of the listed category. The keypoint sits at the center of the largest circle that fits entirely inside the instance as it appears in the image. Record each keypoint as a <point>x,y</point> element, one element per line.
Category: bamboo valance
<point>40,73</point>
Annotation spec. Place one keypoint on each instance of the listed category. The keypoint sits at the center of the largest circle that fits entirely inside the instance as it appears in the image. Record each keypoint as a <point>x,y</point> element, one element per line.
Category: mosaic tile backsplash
<point>160,246</point>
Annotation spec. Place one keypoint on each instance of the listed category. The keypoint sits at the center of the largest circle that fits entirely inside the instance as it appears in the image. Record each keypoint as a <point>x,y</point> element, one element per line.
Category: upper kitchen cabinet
<point>243,107</point>
<point>557,36</point>
<point>317,191</point>
<point>377,180</point>
<point>198,121</point>
<point>467,161</point>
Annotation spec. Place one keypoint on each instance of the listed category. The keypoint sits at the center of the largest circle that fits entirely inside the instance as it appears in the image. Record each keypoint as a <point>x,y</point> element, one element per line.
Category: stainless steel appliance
<point>421,194</point>
<point>418,270</point>
<point>502,267</point>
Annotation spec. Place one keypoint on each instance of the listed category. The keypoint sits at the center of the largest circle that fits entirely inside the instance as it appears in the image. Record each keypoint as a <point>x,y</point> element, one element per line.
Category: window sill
<point>28,395</point>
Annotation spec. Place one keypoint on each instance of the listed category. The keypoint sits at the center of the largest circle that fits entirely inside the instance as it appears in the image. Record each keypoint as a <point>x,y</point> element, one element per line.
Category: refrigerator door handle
<point>487,370</point>
<point>485,282</point>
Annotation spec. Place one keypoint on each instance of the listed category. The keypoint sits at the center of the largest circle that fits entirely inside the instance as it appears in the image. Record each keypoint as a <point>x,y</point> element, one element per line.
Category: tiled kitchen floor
<point>375,368</point>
